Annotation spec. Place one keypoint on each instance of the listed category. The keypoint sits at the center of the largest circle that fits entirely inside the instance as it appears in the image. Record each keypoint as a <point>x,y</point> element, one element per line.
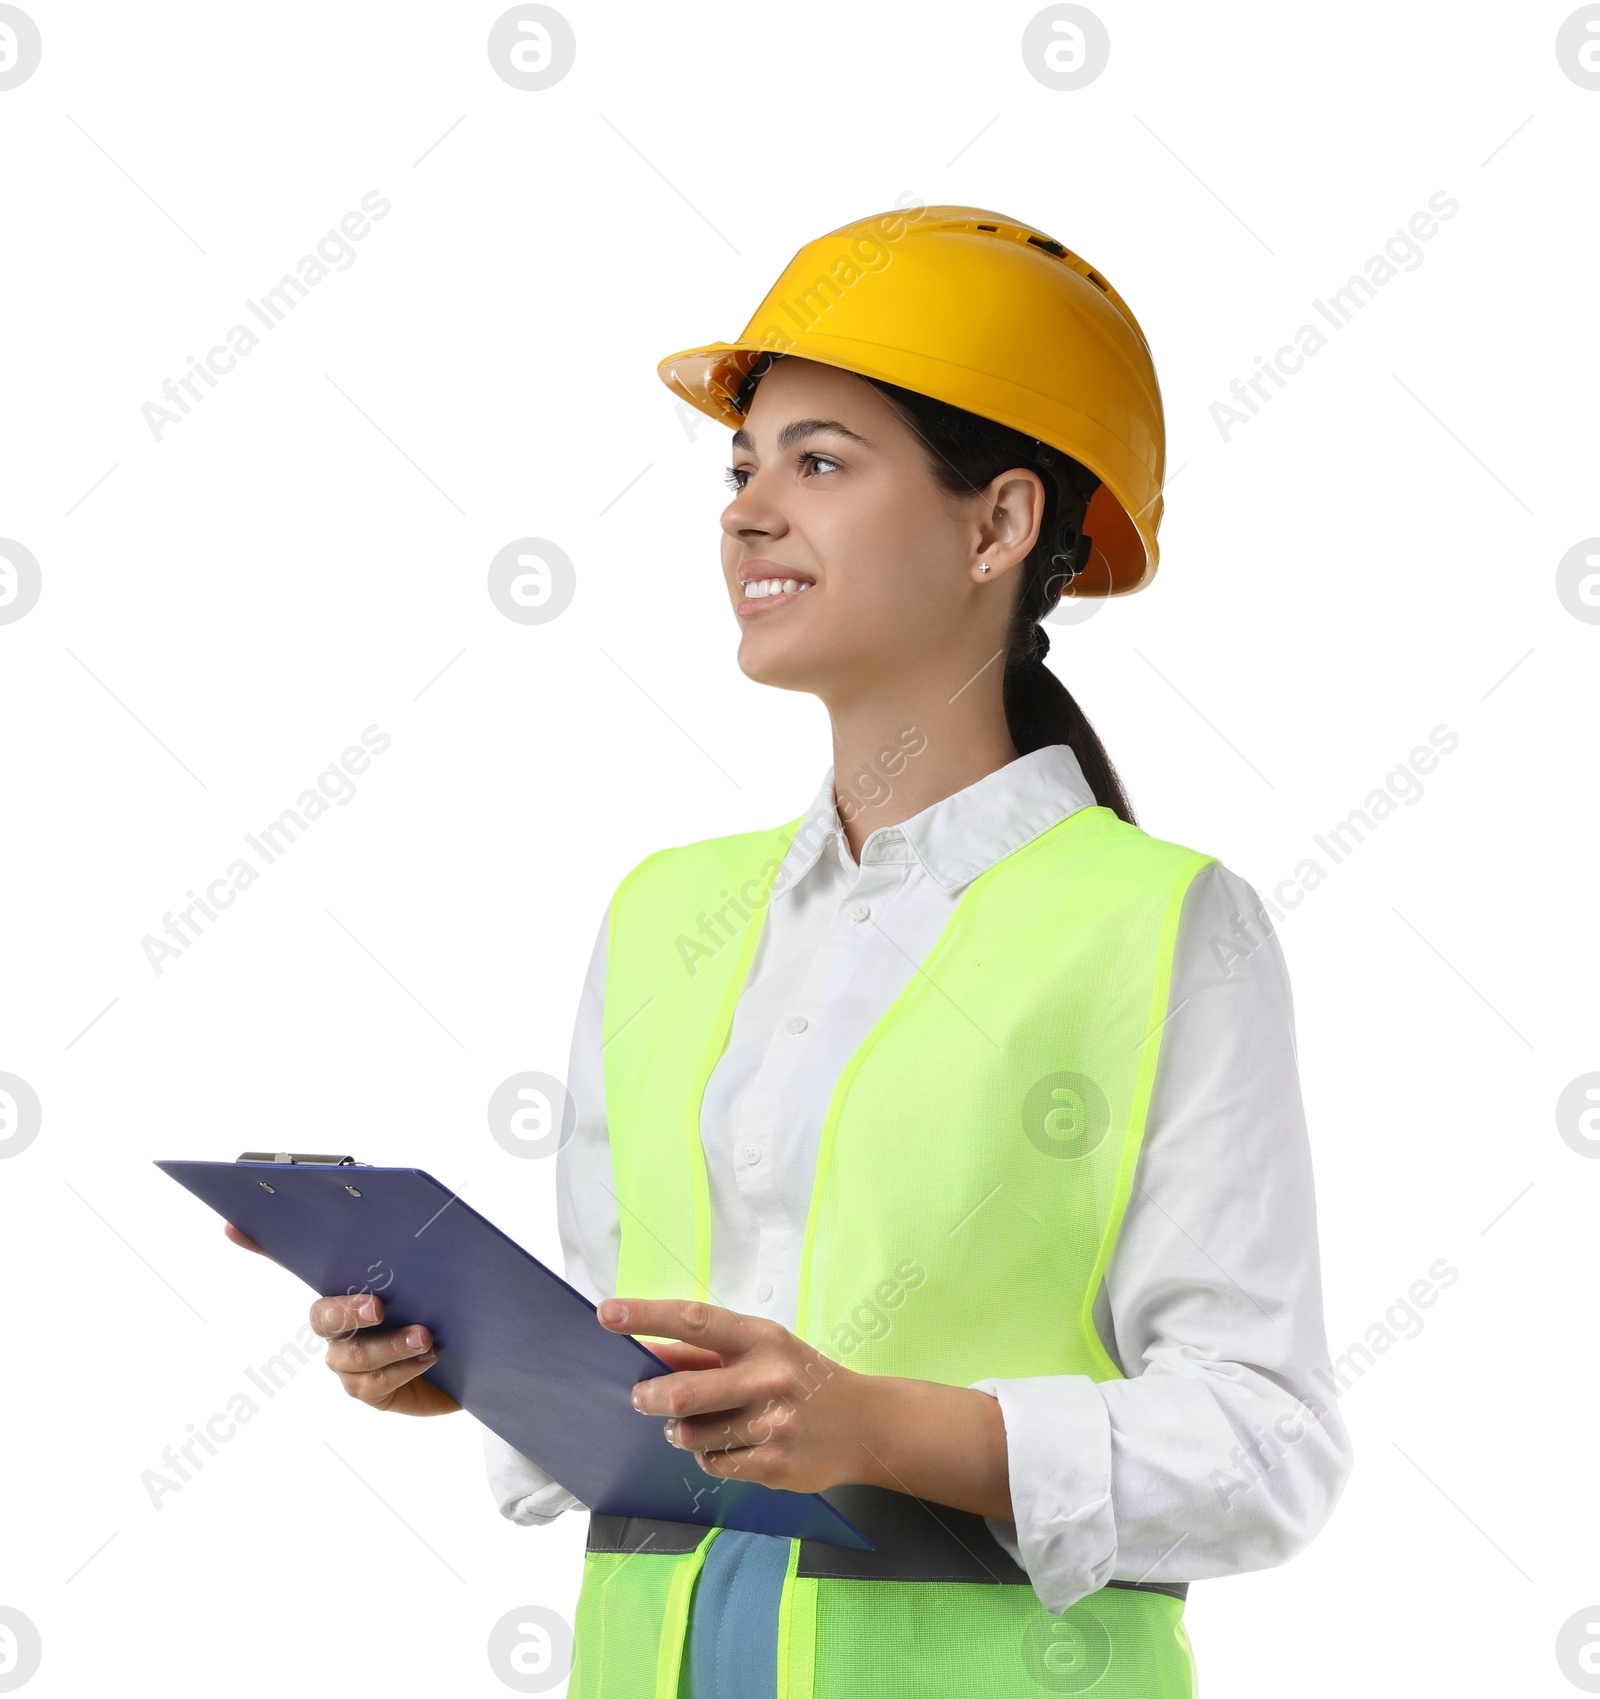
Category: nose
<point>752,513</point>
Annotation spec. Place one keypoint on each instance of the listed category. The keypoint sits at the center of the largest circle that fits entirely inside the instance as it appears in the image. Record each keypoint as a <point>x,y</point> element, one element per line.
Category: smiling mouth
<point>766,586</point>
<point>760,588</point>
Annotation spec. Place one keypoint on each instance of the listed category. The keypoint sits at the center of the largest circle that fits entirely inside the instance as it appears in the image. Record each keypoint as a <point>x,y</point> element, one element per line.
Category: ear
<point>1016,513</point>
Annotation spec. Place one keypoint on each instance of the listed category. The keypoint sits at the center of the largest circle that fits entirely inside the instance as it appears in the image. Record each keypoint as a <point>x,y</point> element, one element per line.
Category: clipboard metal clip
<point>298,1156</point>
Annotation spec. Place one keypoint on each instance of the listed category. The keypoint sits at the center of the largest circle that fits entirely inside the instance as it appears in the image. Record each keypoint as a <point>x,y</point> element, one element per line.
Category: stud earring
<point>983,566</point>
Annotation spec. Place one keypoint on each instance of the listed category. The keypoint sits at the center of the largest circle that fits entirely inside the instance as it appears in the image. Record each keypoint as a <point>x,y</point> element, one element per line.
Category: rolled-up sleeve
<point>1223,1448</point>
<point>586,1217</point>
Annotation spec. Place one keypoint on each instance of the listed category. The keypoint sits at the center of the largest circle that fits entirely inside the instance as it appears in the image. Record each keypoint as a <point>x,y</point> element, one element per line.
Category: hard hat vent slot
<point>1098,282</point>
<point>1048,246</point>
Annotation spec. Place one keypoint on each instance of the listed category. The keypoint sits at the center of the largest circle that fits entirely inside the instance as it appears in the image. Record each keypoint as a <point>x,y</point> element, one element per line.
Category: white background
<point>224,610</point>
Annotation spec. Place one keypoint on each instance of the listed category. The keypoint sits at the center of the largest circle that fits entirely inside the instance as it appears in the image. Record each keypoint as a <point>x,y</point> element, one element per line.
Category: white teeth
<point>774,586</point>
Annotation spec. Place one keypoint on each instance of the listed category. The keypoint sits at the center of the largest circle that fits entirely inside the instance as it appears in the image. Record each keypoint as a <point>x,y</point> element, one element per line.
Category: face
<point>834,497</point>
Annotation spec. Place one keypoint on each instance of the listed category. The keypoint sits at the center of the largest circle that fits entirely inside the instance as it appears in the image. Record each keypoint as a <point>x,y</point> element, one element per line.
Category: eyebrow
<point>798,428</point>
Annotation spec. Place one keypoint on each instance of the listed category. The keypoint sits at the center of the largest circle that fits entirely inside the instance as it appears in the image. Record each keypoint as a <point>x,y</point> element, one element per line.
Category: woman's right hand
<point>383,1369</point>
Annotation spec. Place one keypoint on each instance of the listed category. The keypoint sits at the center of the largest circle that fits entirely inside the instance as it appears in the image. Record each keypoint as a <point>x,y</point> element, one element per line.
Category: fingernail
<point>613,1310</point>
<point>368,1310</point>
<point>635,1396</point>
<point>414,1336</point>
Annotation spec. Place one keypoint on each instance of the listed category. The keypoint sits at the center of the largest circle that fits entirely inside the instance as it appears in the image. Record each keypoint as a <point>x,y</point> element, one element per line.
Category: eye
<point>732,476</point>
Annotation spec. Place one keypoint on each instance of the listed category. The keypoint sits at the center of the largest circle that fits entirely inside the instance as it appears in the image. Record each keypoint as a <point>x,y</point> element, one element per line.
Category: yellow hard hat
<point>987,314</point>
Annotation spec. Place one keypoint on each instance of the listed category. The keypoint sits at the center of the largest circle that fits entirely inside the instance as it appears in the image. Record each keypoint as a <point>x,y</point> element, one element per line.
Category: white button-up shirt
<point>1221,1450</point>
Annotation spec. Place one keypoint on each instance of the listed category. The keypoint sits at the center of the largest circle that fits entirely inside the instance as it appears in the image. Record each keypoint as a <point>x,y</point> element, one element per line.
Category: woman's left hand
<point>749,1398</point>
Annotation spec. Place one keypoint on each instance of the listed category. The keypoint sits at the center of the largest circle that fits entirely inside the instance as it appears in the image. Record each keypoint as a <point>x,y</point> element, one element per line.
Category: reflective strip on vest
<point>972,1172</point>
<point>913,1540</point>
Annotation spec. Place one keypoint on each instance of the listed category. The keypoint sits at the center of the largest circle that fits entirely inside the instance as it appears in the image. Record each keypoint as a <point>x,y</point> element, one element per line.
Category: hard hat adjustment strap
<point>1075,484</point>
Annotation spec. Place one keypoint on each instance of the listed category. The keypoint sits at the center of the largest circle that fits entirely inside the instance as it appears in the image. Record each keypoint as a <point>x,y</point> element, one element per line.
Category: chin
<point>783,666</point>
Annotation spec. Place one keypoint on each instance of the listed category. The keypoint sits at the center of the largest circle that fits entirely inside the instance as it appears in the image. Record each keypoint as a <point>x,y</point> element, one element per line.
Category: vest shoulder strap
<point>696,865</point>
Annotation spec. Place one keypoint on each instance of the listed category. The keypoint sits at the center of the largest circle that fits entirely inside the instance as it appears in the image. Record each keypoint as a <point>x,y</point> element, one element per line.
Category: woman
<point>946,1139</point>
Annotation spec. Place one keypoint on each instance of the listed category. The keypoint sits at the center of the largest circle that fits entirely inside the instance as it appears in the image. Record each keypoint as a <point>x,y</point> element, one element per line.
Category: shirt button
<point>764,1290</point>
<point>797,1023</point>
<point>752,1153</point>
<point>858,911</point>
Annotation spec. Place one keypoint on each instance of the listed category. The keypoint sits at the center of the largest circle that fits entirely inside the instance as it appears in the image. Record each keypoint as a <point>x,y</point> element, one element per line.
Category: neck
<point>904,750</point>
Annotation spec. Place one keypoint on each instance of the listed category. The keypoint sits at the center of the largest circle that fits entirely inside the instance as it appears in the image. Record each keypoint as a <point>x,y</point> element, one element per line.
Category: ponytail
<point>1041,710</point>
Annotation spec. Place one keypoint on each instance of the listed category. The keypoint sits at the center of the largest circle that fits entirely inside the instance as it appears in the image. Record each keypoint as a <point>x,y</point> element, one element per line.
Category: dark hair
<point>965,453</point>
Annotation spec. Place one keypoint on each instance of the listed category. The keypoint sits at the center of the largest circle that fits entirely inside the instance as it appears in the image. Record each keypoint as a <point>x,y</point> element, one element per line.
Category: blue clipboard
<point>518,1347</point>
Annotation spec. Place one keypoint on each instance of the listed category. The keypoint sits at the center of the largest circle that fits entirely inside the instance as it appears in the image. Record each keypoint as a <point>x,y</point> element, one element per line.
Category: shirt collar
<point>961,835</point>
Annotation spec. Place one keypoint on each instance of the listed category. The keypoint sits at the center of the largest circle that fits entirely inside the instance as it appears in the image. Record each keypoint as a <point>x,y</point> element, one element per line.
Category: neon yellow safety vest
<point>972,1173</point>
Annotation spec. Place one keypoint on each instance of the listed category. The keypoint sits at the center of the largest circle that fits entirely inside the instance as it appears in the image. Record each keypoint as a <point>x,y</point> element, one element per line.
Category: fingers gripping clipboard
<point>518,1347</point>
